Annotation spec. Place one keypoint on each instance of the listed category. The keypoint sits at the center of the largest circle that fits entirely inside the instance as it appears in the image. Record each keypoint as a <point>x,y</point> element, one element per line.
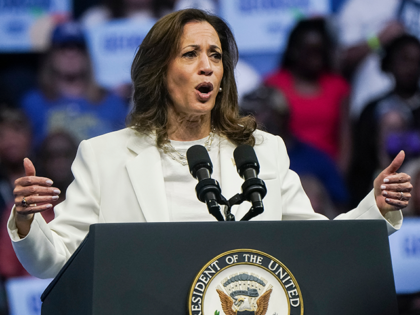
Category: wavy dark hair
<point>149,69</point>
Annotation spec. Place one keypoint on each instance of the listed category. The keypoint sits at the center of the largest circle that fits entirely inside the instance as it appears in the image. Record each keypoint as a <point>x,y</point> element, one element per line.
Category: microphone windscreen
<point>198,157</point>
<point>245,157</point>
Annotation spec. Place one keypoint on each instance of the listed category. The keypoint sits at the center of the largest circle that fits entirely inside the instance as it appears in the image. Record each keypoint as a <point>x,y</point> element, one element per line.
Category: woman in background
<point>318,98</point>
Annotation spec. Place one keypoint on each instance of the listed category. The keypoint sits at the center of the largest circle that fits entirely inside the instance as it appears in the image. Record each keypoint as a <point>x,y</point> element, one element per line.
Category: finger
<point>36,199</point>
<point>29,167</point>
<point>32,209</point>
<point>404,187</point>
<point>396,163</point>
<point>398,196</point>
<point>33,180</point>
<point>35,190</point>
<point>398,204</point>
<point>397,178</point>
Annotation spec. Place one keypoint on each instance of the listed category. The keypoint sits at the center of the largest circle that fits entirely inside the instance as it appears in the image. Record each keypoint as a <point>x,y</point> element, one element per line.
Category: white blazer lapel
<point>145,172</point>
<point>230,181</point>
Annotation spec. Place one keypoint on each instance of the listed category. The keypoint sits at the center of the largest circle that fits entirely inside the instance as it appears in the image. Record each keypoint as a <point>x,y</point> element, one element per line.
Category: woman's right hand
<point>32,194</point>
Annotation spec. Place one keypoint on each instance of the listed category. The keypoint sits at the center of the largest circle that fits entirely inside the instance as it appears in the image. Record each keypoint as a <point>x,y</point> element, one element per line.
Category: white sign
<point>113,46</point>
<point>405,254</point>
<point>26,25</point>
<point>24,295</point>
<point>263,25</point>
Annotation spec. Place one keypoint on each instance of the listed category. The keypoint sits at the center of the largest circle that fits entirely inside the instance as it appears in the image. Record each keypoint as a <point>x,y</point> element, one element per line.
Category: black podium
<point>342,267</point>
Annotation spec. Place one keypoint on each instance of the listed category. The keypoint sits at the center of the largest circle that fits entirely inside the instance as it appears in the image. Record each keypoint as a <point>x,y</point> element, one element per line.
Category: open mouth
<point>205,87</point>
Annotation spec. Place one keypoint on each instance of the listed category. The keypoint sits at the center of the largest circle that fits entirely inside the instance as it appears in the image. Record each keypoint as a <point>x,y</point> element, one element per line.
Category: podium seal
<point>245,282</point>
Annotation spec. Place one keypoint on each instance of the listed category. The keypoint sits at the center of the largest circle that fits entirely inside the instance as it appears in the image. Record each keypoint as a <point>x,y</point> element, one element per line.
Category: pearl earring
<point>220,89</point>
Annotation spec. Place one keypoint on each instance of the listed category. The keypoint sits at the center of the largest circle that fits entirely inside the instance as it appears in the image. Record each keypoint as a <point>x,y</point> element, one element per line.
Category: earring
<point>220,89</point>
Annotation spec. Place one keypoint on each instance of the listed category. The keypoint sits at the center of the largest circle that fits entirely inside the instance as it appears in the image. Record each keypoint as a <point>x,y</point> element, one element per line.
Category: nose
<point>205,66</point>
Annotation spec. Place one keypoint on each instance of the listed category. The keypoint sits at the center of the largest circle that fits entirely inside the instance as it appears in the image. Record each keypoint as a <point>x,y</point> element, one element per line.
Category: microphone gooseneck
<point>207,189</point>
<point>253,188</point>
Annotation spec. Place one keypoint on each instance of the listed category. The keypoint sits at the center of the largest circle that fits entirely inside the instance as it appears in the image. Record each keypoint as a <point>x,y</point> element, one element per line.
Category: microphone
<point>207,189</point>
<point>253,188</point>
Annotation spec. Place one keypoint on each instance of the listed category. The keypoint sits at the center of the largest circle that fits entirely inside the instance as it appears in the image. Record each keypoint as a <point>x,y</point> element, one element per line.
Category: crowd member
<point>15,145</point>
<point>364,27</point>
<point>318,98</point>
<point>185,95</point>
<point>68,97</point>
<point>54,159</point>
<point>134,9</point>
<point>382,120</point>
<point>319,175</point>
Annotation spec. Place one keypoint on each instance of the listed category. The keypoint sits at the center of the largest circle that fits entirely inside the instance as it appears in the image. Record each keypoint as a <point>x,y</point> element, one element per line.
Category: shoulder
<point>265,141</point>
<point>110,142</point>
<point>277,77</point>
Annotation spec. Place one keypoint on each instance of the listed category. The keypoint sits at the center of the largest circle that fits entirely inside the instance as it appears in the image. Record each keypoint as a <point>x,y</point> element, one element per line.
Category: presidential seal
<point>245,282</point>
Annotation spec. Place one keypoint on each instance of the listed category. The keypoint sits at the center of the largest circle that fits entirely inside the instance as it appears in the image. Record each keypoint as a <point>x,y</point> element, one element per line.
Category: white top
<point>180,185</point>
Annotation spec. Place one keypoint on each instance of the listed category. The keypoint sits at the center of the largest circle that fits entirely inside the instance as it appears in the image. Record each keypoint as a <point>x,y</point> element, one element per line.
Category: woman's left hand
<point>392,189</point>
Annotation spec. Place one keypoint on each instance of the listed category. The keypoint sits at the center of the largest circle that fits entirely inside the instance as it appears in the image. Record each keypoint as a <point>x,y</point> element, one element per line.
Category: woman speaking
<point>184,94</point>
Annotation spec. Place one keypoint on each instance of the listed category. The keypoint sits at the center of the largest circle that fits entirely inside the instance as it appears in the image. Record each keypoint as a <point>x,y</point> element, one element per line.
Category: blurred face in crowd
<point>309,54</point>
<point>58,154</point>
<point>195,74</point>
<point>69,63</point>
<point>15,143</point>
<point>405,66</point>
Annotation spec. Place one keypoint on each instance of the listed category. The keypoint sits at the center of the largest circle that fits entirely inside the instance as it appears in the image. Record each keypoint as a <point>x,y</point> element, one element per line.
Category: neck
<point>188,128</point>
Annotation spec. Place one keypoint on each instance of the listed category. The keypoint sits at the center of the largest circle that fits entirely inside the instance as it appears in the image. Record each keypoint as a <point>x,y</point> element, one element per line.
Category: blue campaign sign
<point>405,254</point>
<point>263,25</point>
<point>26,25</point>
<point>113,46</point>
<point>24,295</point>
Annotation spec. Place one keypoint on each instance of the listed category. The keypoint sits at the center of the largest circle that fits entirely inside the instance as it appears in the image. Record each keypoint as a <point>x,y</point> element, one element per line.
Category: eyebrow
<point>198,46</point>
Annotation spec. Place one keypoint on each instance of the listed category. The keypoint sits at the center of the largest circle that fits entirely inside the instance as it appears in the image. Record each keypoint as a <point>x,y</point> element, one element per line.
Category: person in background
<point>133,9</point>
<point>364,27</point>
<point>318,98</point>
<point>392,122</point>
<point>15,145</point>
<point>54,158</point>
<point>68,97</point>
<point>319,175</point>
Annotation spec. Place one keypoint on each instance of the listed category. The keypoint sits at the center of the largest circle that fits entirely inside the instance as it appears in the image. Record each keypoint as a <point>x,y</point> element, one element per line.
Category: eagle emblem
<point>247,294</point>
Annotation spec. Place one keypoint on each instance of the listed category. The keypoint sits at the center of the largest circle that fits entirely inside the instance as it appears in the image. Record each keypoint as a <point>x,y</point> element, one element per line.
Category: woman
<point>185,94</point>
<point>317,96</point>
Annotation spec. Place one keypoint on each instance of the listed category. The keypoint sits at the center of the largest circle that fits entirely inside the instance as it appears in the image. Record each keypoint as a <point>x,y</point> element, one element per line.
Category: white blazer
<point>118,178</point>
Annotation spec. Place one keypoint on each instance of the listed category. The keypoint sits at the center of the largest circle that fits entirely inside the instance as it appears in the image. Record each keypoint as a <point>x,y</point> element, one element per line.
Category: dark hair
<point>117,10</point>
<point>149,70</point>
<point>303,27</point>
<point>394,47</point>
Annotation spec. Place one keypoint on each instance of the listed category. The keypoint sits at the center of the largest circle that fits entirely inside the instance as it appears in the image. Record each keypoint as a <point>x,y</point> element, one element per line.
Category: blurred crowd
<point>344,97</point>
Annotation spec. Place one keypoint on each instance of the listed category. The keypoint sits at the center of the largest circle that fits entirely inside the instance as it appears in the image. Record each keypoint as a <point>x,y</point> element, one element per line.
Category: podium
<point>340,267</point>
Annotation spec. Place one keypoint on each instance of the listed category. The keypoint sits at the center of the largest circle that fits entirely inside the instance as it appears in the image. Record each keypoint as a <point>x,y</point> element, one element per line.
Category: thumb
<point>29,167</point>
<point>396,163</point>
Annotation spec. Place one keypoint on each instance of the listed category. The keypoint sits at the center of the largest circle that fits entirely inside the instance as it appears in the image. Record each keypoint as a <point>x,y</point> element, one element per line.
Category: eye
<point>190,54</point>
<point>217,56</point>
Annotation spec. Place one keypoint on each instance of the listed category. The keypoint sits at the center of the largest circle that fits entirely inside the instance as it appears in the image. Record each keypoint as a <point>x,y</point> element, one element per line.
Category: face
<point>69,61</point>
<point>405,66</point>
<point>309,56</point>
<point>15,143</point>
<point>195,74</point>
